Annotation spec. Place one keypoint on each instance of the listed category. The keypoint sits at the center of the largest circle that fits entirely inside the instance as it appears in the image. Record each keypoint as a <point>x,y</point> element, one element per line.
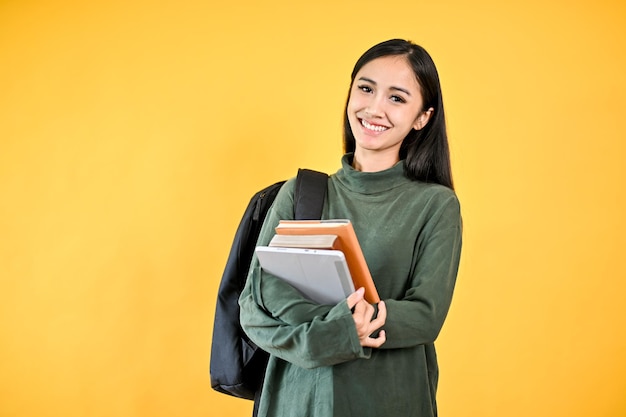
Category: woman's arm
<point>417,318</point>
<point>284,323</point>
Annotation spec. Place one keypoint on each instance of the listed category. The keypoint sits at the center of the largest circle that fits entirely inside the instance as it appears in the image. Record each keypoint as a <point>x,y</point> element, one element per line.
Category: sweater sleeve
<point>418,317</point>
<point>284,323</point>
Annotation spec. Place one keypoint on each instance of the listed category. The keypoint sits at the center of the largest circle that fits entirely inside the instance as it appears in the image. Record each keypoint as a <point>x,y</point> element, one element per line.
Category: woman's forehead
<point>389,71</point>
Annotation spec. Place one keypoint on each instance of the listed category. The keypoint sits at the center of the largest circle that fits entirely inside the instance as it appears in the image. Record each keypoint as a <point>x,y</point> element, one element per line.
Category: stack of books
<point>320,258</point>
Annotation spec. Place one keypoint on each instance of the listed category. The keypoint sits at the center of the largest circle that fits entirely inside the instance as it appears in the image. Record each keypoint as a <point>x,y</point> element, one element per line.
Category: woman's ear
<point>423,118</point>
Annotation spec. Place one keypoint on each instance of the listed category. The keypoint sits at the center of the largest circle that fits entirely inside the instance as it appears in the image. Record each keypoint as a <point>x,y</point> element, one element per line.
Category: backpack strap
<point>310,194</point>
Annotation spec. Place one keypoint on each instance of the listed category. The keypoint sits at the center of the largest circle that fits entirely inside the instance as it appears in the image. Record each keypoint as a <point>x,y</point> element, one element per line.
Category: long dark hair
<point>425,152</point>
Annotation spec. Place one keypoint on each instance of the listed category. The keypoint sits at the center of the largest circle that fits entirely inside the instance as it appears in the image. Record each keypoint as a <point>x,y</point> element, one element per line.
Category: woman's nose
<point>374,107</point>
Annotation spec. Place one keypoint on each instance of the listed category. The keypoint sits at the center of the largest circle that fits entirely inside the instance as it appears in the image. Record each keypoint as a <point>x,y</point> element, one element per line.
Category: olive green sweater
<point>410,233</point>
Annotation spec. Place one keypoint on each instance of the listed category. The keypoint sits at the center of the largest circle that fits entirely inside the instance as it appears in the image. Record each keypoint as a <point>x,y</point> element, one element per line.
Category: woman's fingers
<point>377,323</point>
<point>355,297</point>
<point>362,316</point>
<point>362,313</point>
<point>381,317</point>
<point>375,342</point>
<point>366,326</point>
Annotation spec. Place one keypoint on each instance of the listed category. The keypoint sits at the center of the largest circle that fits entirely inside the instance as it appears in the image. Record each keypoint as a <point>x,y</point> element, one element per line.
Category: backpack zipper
<point>257,207</point>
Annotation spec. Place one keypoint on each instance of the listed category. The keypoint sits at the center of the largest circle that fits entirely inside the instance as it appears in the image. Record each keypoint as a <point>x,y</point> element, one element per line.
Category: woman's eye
<point>365,88</point>
<point>397,99</point>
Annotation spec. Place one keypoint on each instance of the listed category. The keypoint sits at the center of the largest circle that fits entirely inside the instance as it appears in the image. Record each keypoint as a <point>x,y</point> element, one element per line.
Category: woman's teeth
<point>373,127</point>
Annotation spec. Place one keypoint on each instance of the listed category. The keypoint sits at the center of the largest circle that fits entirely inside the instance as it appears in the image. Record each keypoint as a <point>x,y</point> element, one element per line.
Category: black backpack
<point>237,365</point>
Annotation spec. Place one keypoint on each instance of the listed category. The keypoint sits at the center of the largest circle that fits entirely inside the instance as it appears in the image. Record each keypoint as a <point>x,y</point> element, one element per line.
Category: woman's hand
<point>362,315</point>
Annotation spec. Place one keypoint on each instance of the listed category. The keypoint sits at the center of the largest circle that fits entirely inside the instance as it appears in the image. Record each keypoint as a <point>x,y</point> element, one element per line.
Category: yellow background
<point>132,135</point>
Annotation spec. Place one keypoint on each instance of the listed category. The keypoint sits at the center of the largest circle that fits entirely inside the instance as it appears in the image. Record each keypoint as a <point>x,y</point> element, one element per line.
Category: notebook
<point>346,241</point>
<point>322,275</point>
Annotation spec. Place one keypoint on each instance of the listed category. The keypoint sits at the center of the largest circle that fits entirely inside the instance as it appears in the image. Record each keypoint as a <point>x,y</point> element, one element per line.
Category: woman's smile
<point>372,126</point>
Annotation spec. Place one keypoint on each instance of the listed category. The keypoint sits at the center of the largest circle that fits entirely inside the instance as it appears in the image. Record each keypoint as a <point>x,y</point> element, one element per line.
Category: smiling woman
<point>382,361</point>
<point>385,105</point>
<point>395,92</point>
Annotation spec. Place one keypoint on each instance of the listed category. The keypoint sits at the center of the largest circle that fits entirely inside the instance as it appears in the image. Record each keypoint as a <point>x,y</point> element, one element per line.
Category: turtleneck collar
<point>370,182</point>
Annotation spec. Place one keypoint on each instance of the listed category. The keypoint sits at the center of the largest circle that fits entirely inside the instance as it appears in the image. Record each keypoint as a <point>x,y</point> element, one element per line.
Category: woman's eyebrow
<point>405,91</point>
<point>367,80</point>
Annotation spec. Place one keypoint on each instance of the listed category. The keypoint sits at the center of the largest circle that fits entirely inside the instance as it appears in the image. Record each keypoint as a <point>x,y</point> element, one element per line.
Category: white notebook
<point>322,275</point>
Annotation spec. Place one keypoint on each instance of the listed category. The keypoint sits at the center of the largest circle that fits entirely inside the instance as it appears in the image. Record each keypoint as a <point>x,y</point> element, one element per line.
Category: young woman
<point>395,185</point>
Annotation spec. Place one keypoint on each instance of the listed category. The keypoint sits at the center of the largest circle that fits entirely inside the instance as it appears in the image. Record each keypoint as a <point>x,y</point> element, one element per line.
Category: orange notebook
<point>346,242</point>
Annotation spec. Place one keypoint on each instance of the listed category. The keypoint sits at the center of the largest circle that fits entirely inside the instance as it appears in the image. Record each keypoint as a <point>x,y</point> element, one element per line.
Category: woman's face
<point>385,104</point>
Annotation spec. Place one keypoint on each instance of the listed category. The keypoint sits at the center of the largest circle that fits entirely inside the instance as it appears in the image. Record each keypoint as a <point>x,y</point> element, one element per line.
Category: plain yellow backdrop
<point>132,135</point>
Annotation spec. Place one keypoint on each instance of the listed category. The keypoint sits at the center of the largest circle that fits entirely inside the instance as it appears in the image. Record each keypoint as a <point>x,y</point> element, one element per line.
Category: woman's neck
<point>374,161</point>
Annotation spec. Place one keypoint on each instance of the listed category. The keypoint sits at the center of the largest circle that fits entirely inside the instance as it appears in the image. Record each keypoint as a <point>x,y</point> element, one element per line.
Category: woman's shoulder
<point>438,203</point>
<point>435,192</point>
